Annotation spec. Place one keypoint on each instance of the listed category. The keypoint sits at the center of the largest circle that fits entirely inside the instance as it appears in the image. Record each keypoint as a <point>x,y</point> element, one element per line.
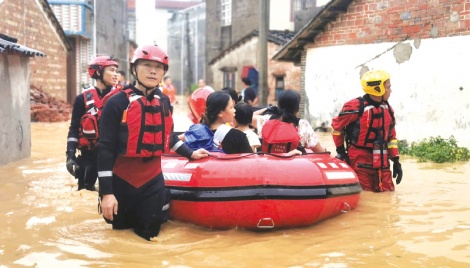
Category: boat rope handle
<point>228,157</point>
<point>348,208</point>
<point>265,226</point>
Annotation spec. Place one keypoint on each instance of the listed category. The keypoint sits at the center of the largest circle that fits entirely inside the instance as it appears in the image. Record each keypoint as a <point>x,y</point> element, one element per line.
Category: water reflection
<point>47,223</point>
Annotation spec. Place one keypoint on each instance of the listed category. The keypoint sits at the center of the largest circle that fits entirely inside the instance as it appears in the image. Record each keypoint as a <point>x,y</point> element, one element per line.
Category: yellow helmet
<point>373,82</point>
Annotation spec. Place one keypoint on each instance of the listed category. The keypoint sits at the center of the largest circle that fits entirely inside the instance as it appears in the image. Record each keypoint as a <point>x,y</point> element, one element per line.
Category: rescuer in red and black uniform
<point>135,130</point>
<point>367,125</point>
<point>83,132</point>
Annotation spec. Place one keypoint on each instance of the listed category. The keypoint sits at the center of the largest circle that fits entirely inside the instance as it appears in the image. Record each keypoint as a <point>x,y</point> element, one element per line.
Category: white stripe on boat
<point>191,165</point>
<point>177,176</point>
<point>344,165</point>
<point>338,175</point>
<point>322,165</point>
<point>333,165</point>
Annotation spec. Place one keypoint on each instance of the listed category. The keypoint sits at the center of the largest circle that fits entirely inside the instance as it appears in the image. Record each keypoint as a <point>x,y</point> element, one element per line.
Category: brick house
<point>422,44</point>
<point>228,22</point>
<point>34,25</point>
<point>230,65</point>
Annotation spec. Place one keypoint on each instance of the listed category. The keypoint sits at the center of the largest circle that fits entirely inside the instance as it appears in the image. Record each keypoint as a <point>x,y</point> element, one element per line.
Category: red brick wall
<point>290,72</point>
<point>375,21</point>
<point>26,21</point>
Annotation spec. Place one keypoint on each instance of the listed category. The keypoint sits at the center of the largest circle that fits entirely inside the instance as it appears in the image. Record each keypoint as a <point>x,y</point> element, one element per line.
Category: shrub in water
<point>435,149</point>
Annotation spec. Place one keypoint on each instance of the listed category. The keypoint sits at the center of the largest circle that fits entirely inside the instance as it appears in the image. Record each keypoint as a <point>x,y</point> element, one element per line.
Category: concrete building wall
<point>15,139</point>
<point>27,21</point>
<point>424,50</point>
<point>111,33</point>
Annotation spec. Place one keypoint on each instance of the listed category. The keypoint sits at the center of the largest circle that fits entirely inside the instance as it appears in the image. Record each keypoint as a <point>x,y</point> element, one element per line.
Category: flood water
<point>46,222</point>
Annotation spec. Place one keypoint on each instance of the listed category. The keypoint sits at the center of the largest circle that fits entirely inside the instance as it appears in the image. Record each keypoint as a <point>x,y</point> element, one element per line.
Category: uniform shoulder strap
<point>361,105</point>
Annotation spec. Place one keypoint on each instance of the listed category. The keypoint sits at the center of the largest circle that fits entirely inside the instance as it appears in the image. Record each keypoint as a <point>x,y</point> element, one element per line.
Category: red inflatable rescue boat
<point>259,191</point>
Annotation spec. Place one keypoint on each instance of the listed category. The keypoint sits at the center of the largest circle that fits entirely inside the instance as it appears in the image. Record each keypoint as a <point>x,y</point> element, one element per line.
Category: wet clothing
<point>136,181</point>
<point>366,125</point>
<point>87,154</point>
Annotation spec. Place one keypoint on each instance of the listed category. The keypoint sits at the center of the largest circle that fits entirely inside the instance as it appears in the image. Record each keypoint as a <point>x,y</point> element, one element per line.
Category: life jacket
<point>279,137</point>
<point>118,88</point>
<point>88,132</point>
<point>378,122</point>
<point>145,127</point>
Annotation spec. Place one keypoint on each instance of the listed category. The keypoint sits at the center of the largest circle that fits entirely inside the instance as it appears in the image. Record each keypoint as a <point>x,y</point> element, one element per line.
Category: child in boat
<point>287,111</point>
<point>243,118</point>
<point>219,111</point>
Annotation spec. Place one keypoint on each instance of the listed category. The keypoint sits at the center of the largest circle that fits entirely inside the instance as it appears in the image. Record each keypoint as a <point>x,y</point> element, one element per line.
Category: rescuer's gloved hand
<point>397,171</point>
<point>71,162</point>
<point>342,154</point>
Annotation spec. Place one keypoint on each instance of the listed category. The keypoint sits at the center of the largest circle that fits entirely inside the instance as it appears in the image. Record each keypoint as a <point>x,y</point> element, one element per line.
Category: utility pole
<point>263,91</point>
<point>189,77</point>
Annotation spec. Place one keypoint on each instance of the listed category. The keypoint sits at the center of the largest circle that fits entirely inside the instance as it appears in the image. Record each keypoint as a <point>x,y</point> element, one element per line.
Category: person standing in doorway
<point>367,126</point>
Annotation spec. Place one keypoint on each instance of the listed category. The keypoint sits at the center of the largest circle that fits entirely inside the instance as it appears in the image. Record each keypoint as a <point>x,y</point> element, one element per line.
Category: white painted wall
<point>426,94</point>
<point>151,24</point>
<point>279,15</point>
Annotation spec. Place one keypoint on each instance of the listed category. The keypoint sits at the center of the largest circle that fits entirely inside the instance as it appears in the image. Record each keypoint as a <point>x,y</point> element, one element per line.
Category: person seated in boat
<point>219,112</point>
<point>287,112</point>
<point>243,118</point>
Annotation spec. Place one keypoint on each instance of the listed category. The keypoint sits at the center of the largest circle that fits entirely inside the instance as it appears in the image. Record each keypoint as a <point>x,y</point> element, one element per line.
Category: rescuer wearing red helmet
<point>367,124</point>
<point>136,129</point>
<point>83,132</point>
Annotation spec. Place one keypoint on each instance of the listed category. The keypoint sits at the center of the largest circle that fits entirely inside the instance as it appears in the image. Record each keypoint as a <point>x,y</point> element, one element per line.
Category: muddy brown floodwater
<point>46,222</point>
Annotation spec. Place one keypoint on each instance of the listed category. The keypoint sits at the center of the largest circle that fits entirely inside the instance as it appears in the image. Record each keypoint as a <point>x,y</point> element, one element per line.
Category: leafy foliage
<point>435,149</point>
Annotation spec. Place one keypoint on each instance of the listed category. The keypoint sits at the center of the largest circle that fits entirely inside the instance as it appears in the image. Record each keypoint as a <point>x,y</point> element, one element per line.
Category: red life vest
<point>279,137</point>
<point>374,124</point>
<point>116,89</point>
<point>145,127</point>
<point>88,132</point>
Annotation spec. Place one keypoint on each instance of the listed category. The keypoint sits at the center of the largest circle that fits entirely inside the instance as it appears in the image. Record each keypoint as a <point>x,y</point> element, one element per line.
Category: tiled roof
<point>7,46</point>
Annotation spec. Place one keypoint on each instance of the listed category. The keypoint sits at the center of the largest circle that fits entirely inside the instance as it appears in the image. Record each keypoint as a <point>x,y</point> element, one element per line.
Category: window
<point>279,85</point>
<point>226,12</point>
<point>298,5</point>
<point>229,79</point>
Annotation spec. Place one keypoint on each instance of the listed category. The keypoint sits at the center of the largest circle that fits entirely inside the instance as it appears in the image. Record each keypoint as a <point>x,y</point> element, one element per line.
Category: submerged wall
<point>15,134</point>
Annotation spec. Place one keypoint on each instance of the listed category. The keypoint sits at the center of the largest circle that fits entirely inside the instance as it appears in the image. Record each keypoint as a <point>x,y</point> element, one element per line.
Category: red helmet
<point>98,64</point>
<point>151,52</point>
<point>197,103</point>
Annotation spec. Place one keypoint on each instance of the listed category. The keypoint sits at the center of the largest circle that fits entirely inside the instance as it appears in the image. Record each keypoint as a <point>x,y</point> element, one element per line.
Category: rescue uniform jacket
<point>364,121</point>
<point>112,159</point>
